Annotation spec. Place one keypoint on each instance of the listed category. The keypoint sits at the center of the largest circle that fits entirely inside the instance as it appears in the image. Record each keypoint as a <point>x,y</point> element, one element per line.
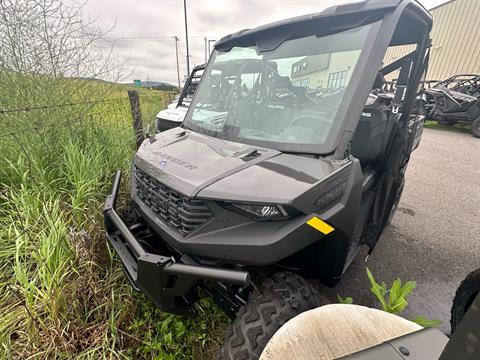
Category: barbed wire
<point>42,130</point>
<point>78,125</point>
<point>81,117</point>
<point>67,122</point>
<point>50,106</point>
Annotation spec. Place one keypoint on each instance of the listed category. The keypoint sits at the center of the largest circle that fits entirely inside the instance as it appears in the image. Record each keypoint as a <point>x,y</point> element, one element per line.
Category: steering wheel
<point>312,120</point>
<point>311,116</point>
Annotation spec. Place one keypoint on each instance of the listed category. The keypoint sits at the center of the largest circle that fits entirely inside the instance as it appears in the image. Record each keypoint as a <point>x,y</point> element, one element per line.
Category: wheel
<point>466,293</point>
<point>398,195</point>
<point>446,121</point>
<point>276,301</point>
<point>476,128</point>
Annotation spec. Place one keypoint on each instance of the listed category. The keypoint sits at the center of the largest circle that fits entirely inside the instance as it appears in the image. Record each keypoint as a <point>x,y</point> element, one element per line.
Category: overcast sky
<point>144,29</point>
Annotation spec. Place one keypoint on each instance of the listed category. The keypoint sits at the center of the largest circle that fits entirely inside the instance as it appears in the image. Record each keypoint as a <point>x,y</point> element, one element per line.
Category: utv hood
<point>176,114</point>
<point>211,168</point>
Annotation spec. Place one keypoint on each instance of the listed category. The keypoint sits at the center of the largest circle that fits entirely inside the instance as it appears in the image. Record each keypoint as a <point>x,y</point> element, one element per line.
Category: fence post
<point>136,117</point>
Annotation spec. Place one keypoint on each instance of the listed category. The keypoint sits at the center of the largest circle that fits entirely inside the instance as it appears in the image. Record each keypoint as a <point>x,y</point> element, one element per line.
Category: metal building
<point>455,40</point>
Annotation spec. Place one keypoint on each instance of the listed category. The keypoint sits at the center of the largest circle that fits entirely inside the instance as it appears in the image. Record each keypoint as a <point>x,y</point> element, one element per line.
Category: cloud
<point>144,30</point>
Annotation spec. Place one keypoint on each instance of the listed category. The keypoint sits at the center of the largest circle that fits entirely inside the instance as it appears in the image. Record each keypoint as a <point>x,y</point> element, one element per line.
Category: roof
<point>442,4</point>
<point>199,67</point>
<point>379,7</point>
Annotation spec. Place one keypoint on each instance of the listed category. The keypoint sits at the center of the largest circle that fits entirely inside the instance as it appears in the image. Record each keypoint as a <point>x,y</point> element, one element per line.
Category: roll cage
<point>191,83</point>
<point>394,23</point>
<point>465,83</point>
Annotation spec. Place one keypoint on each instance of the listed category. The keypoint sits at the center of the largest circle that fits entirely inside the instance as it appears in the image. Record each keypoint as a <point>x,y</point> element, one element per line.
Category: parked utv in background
<point>468,84</point>
<point>174,114</point>
<point>456,99</point>
<point>266,188</point>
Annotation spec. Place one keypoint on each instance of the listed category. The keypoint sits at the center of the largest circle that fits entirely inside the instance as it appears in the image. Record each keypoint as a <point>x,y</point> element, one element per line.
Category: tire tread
<point>276,301</point>
<point>468,288</point>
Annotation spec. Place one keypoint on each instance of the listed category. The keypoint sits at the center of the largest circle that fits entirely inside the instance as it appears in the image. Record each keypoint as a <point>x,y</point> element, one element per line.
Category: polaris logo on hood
<point>174,160</point>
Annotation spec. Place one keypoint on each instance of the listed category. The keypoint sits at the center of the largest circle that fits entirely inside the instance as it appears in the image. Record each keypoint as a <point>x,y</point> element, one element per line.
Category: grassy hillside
<point>63,292</point>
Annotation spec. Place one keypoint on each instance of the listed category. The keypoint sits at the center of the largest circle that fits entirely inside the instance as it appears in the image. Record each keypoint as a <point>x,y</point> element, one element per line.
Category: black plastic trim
<point>164,280</point>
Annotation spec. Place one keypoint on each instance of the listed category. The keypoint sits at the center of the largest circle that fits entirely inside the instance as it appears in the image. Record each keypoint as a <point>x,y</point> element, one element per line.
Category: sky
<point>143,30</point>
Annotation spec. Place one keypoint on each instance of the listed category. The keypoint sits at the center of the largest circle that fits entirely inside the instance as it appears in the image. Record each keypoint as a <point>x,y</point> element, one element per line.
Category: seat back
<point>368,139</point>
<point>272,117</point>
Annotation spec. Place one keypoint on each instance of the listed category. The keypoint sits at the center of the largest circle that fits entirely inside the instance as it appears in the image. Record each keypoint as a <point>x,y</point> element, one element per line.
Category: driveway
<point>434,237</point>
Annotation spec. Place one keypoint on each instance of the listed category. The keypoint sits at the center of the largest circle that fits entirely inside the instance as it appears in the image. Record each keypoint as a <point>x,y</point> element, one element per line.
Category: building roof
<point>440,5</point>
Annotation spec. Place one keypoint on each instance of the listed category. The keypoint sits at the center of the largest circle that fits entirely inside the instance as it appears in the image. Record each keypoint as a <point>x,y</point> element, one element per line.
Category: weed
<point>347,300</point>
<point>394,299</point>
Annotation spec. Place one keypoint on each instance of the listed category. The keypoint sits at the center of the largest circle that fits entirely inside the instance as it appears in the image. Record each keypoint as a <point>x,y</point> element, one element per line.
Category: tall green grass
<point>63,292</point>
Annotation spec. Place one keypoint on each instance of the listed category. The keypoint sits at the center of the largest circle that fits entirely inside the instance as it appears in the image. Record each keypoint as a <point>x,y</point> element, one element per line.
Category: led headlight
<point>263,211</point>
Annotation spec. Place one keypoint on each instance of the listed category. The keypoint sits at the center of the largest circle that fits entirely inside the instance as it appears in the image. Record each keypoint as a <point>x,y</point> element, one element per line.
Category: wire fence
<point>33,138</point>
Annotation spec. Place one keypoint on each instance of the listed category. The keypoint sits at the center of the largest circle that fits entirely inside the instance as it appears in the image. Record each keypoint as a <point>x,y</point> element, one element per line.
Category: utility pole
<point>186,36</point>
<point>176,54</point>
<point>206,54</point>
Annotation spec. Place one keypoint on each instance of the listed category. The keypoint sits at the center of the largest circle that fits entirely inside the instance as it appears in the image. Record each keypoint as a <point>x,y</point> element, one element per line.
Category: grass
<point>458,127</point>
<point>63,292</point>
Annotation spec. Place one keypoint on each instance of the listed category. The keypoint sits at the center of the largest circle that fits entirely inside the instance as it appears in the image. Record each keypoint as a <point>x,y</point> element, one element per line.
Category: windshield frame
<point>352,92</point>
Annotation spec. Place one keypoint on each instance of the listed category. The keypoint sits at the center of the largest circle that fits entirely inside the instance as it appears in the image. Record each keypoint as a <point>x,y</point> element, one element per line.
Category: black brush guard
<point>163,280</point>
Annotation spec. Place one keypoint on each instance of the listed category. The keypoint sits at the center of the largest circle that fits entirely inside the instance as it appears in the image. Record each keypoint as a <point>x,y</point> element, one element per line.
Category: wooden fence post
<point>136,117</point>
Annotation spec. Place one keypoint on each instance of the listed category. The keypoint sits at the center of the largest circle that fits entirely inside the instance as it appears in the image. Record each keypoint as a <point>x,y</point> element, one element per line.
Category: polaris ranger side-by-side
<point>174,114</point>
<point>456,99</point>
<point>270,183</point>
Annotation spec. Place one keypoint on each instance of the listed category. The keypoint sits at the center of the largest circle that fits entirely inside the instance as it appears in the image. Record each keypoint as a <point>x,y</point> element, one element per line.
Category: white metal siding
<point>455,40</point>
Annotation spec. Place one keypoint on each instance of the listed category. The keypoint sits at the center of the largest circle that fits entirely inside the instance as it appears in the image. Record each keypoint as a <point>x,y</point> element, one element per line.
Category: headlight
<point>263,212</point>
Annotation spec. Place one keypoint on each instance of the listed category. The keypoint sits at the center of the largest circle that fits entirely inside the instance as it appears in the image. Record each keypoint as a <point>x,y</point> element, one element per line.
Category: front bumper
<point>165,281</point>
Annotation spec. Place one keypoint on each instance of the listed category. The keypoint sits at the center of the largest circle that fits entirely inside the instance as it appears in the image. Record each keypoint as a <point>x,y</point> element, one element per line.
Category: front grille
<point>178,211</point>
<point>164,124</point>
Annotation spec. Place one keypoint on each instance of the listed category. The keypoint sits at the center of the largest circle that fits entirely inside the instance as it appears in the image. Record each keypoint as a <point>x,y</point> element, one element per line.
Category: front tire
<point>276,301</point>
<point>476,128</point>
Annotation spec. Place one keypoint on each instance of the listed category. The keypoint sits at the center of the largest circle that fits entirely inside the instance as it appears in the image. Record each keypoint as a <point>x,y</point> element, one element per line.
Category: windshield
<point>289,95</point>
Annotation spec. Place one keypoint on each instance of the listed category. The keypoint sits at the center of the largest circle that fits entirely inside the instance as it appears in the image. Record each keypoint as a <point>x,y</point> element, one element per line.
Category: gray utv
<point>174,114</point>
<point>290,157</point>
<point>456,99</point>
